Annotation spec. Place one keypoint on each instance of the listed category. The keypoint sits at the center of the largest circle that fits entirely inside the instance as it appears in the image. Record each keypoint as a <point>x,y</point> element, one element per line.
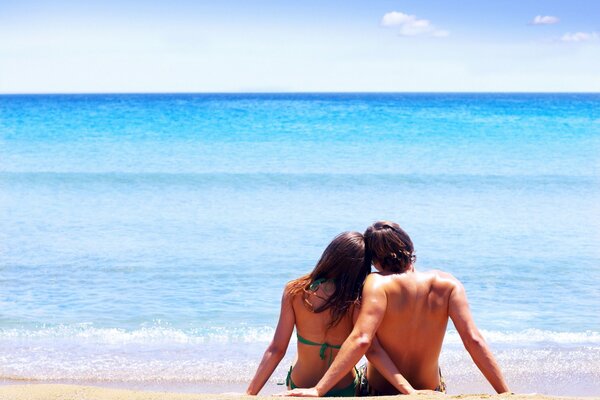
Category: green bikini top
<point>324,346</point>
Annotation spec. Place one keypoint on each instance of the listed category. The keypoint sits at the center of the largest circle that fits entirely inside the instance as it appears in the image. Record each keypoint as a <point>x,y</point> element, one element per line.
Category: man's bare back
<point>413,326</point>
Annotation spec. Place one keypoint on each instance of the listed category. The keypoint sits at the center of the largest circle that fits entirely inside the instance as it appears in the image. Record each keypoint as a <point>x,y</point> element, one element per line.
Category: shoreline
<point>34,391</point>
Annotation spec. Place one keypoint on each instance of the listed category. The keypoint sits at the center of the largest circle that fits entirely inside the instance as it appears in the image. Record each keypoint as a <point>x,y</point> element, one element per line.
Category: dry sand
<point>76,392</point>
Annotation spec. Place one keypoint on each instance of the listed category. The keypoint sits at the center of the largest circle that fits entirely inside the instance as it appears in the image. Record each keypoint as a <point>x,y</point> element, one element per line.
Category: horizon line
<point>288,92</point>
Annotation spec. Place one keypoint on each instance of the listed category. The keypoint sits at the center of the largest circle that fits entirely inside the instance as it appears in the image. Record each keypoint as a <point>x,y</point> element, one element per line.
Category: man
<point>409,311</point>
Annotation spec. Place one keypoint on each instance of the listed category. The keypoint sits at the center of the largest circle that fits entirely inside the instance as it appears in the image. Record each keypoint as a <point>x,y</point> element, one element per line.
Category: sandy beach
<point>76,392</point>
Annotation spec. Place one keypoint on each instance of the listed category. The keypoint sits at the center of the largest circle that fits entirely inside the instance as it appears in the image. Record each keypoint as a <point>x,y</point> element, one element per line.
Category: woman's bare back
<point>309,366</point>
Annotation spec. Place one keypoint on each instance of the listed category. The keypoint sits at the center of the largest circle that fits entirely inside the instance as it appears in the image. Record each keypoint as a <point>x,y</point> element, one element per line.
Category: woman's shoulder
<point>294,289</point>
<point>297,285</point>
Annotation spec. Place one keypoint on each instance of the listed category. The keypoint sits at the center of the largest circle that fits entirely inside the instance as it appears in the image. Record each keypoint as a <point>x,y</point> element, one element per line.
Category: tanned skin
<point>308,366</point>
<point>409,312</point>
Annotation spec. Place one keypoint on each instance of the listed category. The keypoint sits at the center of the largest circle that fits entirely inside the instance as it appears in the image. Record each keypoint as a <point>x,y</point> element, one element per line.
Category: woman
<point>321,306</point>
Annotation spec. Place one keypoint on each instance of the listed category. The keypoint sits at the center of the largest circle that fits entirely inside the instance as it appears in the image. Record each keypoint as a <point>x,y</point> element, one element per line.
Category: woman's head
<point>389,246</point>
<point>343,259</point>
<point>343,262</point>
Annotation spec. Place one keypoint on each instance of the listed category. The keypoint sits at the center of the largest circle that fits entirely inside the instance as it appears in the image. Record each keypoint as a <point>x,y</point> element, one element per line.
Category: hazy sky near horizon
<point>70,46</point>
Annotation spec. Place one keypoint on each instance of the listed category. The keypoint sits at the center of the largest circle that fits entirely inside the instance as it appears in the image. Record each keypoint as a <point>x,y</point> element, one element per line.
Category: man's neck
<point>409,270</point>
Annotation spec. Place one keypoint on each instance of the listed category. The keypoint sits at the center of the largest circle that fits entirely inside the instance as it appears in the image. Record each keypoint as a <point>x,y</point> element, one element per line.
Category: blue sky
<point>309,45</point>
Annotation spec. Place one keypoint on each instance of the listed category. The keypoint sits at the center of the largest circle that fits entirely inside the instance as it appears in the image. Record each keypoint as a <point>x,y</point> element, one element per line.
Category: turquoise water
<point>146,238</point>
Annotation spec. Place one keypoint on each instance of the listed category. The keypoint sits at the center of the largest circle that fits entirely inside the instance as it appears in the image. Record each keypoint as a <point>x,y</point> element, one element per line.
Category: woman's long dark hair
<point>344,263</point>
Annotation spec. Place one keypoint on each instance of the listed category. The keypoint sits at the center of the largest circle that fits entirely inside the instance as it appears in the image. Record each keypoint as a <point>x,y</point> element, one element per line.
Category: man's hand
<point>312,392</point>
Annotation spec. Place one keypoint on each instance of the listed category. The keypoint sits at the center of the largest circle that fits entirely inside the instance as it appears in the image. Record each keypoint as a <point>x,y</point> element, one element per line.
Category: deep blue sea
<point>145,239</point>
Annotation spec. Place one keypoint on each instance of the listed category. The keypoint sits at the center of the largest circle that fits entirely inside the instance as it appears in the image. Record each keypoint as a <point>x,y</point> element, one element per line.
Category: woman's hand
<point>312,392</point>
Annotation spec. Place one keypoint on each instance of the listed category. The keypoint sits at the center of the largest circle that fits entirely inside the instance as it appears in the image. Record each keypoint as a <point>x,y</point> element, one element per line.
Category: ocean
<point>145,239</point>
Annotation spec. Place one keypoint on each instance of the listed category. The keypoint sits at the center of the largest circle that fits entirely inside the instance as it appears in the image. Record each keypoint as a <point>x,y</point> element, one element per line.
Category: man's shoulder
<point>442,274</point>
<point>377,282</point>
<point>442,278</point>
<point>375,278</point>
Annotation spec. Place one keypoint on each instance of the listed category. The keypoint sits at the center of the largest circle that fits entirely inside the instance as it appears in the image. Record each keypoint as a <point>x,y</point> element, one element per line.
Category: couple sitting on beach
<point>396,316</point>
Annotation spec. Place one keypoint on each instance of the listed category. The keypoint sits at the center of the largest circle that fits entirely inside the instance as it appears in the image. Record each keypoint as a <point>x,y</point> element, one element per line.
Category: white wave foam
<point>161,333</point>
<point>533,337</point>
<point>154,334</point>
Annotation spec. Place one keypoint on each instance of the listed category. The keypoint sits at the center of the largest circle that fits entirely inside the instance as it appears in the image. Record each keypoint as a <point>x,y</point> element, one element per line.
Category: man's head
<point>389,246</point>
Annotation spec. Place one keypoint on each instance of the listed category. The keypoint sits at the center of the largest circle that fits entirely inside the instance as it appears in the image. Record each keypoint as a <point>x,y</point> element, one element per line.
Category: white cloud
<point>396,18</point>
<point>410,25</point>
<point>580,37</point>
<point>545,20</point>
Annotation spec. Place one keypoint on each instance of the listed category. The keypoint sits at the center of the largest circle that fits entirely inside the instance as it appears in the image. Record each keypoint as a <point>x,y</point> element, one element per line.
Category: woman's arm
<point>276,350</point>
<point>384,364</point>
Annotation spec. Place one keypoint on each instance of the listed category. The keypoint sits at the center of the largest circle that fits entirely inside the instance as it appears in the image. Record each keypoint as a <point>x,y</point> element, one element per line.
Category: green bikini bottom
<point>348,391</point>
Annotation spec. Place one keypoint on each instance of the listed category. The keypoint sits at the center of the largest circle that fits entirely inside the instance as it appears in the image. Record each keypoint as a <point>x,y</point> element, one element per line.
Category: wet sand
<point>77,392</point>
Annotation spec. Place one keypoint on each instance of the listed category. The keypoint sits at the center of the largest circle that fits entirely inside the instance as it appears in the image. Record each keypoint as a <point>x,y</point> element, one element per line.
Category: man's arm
<point>481,354</point>
<point>371,313</point>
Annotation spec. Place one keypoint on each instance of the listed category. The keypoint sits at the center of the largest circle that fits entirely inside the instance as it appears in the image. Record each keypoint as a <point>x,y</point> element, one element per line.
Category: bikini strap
<point>323,347</point>
<point>316,283</point>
